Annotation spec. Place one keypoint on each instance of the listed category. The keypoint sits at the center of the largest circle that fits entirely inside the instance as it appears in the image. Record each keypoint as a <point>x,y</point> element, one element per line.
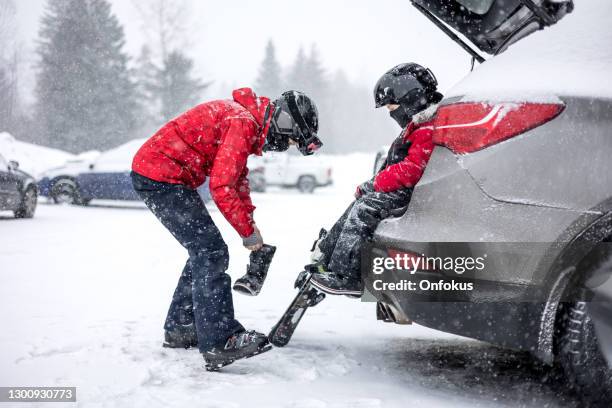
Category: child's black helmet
<point>295,116</point>
<point>409,85</point>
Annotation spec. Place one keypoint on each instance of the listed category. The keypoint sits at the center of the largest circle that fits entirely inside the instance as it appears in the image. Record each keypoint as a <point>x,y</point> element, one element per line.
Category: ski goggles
<point>294,127</point>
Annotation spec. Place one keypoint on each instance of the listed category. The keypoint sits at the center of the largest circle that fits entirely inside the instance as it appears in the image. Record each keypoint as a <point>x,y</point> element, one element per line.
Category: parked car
<point>18,192</point>
<point>107,176</point>
<point>521,171</point>
<point>257,178</point>
<point>294,171</point>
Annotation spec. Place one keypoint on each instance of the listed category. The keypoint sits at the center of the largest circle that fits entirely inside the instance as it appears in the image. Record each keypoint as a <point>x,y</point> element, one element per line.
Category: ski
<point>307,296</point>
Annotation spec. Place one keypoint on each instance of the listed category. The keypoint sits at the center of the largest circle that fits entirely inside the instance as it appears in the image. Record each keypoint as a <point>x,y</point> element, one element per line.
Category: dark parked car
<point>105,177</point>
<point>520,174</point>
<point>18,192</point>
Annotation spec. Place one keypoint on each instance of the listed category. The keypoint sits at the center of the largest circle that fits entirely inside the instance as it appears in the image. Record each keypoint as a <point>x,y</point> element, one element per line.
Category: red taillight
<point>410,260</point>
<point>468,127</point>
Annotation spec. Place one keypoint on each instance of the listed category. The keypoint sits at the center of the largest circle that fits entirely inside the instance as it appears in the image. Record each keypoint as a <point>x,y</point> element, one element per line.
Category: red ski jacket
<point>212,140</point>
<point>408,171</point>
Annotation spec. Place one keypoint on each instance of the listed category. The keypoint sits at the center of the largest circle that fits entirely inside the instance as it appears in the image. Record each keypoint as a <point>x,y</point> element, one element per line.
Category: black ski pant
<point>342,245</point>
<point>203,295</point>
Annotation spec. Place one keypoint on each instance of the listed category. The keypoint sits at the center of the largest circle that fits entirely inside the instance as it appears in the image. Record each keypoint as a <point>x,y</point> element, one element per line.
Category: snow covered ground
<point>84,291</point>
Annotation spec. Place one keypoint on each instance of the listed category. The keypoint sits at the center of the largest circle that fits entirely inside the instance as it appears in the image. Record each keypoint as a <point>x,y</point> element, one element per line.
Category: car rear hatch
<point>492,25</point>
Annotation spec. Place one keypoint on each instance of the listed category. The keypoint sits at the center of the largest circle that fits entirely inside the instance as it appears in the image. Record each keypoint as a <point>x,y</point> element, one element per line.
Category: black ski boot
<point>335,284</point>
<point>241,345</point>
<point>257,270</point>
<point>183,336</point>
<point>317,258</point>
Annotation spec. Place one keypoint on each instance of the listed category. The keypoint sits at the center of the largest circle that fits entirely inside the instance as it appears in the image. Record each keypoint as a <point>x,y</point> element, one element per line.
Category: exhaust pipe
<point>389,314</point>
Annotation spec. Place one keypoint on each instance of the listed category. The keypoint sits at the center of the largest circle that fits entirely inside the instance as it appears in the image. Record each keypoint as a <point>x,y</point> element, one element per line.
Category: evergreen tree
<point>8,65</point>
<point>298,76</point>
<point>7,99</point>
<point>269,81</point>
<point>86,99</point>
<point>316,77</point>
<point>178,89</point>
<point>169,89</point>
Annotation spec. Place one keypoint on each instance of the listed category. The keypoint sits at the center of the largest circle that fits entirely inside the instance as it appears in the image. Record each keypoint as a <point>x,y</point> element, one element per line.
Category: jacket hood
<point>257,107</point>
<point>254,104</point>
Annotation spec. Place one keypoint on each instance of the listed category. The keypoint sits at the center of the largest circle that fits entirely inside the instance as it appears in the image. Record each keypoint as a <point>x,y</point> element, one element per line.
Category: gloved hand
<point>254,241</point>
<point>364,188</point>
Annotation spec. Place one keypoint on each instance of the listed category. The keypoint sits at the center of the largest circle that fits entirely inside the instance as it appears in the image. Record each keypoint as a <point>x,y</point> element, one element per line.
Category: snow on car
<point>33,159</point>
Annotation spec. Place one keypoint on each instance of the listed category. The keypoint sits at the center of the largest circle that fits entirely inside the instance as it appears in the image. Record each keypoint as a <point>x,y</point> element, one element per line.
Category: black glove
<point>365,188</point>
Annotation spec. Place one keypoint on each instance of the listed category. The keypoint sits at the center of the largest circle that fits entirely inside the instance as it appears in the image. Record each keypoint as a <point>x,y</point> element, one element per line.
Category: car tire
<point>306,184</point>
<point>27,208</point>
<point>66,191</point>
<point>581,358</point>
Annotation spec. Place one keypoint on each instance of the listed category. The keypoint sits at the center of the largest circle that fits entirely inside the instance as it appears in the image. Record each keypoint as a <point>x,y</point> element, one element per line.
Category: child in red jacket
<point>213,140</point>
<point>409,91</point>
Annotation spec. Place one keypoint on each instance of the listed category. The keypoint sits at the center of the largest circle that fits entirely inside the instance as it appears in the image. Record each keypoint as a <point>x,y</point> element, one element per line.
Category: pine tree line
<point>91,96</point>
<point>88,96</point>
<point>347,117</point>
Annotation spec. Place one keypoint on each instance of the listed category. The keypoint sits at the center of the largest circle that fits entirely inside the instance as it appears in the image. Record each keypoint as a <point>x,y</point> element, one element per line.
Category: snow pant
<point>203,295</point>
<point>342,245</point>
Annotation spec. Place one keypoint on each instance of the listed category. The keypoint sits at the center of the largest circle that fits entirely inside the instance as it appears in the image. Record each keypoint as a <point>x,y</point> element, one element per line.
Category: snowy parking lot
<point>84,291</point>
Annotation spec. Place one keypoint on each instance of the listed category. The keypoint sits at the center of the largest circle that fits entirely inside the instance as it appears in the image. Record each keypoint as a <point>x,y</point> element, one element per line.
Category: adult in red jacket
<point>409,91</point>
<point>213,140</point>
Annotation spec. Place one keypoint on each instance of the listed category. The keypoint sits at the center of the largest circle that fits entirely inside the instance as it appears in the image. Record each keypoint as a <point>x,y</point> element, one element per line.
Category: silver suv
<point>521,174</point>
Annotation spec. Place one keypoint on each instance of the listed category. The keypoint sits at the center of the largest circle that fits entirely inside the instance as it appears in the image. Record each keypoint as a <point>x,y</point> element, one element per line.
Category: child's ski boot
<point>257,270</point>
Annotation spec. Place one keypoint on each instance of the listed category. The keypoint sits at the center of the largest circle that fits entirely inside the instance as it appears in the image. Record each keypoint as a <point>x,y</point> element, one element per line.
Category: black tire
<point>66,191</point>
<point>27,208</point>
<point>306,184</point>
<point>580,356</point>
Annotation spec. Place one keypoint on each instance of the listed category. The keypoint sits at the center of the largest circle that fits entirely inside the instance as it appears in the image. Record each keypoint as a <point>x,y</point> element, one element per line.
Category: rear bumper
<point>448,213</point>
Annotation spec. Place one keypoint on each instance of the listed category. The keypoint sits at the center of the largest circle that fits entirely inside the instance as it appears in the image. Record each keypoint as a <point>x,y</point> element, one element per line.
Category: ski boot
<point>257,270</point>
<point>335,284</point>
<point>183,336</point>
<point>316,257</point>
<point>241,345</point>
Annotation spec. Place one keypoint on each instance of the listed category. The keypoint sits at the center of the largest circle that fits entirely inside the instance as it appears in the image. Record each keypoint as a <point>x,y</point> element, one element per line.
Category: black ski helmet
<point>409,85</point>
<point>295,117</point>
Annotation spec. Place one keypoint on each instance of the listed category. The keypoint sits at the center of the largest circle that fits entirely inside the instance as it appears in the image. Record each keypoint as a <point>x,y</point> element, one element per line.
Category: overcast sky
<point>227,38</point>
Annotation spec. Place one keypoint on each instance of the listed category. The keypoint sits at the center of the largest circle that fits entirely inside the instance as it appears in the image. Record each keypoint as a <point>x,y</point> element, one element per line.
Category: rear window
<point>477,6</point>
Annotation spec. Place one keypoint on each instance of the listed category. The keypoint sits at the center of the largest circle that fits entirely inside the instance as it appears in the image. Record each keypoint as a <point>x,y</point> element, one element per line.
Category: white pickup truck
<point>293,171</point>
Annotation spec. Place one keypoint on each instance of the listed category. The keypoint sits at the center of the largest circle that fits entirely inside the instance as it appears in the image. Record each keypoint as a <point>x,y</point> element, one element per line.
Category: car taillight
<point>329,172</point>
<point>410,260</point>
<point>468,127</point>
